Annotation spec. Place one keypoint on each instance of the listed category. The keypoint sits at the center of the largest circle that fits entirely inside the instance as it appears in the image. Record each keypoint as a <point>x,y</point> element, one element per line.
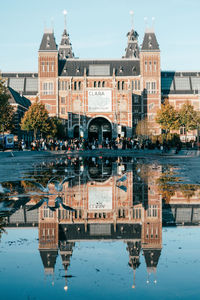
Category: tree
<point>189,118</point>
<point>38,120</point>
<point>59,129</point>
<point>143,127</point>
<point>6,110</point>
<point>168,118</point>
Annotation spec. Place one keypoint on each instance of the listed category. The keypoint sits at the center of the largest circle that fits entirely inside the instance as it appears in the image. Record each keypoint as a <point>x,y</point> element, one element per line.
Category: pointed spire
<point>132,50</point>
<point>132,14</point>
<point>65,47</point>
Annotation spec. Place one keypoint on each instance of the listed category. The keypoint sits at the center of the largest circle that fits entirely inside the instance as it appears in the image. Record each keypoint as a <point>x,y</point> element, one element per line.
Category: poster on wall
<point>99,101</point>
<point>100,198</point>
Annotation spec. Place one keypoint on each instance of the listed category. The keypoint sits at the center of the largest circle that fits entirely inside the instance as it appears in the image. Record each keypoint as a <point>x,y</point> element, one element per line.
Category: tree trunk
<point>35,133</point>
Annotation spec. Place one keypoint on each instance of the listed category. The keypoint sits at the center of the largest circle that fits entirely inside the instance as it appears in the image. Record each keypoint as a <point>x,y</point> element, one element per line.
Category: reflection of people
<point>23,145</point>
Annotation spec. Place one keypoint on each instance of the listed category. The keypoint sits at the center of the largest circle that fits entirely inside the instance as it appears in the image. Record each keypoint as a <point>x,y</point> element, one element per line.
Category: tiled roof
<point>23,83</point>
<point>150,42</point>
<point>121,67</point>
<point>16,98</point>
<point>48,42</point>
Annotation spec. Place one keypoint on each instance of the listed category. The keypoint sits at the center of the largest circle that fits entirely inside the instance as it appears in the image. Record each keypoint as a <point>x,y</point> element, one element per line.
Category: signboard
<point>100,198</point>
<point>99,101</point>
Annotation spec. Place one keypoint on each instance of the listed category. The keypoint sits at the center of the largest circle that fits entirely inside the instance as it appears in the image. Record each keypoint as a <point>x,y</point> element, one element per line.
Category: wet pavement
<point>99,227</point>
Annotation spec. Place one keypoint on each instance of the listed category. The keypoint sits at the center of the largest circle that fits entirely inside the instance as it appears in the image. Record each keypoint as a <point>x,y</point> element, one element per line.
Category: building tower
<point>48,73</point>
<point>134,247</point>
<point>65,47</point>
<point>150,71</point>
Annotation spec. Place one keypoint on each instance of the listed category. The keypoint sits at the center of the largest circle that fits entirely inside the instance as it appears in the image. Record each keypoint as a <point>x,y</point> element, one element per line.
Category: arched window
<point>103,84</point>
<point>99,84</point>
<point>79,85</point>
<point>122,85</point>
<point>118,85</point>
<point>95,84</point>
<point>75,86</point>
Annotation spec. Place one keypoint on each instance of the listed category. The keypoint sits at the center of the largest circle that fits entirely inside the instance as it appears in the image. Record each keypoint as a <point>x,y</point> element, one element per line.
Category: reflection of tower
<point>48,257</point>
<point>66,249</point>
<point>48,238</point>
<point>151,259</point>
<point>134,256</point>
<point>152,226</point>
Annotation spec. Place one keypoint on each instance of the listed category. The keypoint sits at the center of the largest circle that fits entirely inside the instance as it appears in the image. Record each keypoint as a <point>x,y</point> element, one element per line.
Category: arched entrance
<point>76,131</point>
<point>100,129</point>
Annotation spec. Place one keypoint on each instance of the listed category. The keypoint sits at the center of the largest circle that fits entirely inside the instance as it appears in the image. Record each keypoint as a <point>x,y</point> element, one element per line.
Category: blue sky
<point>98,29</point>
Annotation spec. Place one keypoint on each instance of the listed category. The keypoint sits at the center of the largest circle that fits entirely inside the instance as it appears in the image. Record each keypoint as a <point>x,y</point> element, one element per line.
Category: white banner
<point>100,198</point>
<point>99,101</point>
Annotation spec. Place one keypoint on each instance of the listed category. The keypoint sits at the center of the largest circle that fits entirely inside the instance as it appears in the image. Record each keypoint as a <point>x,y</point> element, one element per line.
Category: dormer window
<point>120,69</point>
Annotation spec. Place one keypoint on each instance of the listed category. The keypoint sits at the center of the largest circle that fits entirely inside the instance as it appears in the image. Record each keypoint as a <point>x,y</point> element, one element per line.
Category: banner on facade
<point>100,198</point>
<point>99,101</point>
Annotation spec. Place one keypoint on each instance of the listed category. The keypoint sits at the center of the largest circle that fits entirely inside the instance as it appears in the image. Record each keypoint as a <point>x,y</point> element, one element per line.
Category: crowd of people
<point>84,144</point>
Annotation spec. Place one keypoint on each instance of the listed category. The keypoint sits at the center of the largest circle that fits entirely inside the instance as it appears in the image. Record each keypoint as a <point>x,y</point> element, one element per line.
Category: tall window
<point>47,88</point>
<point>155,66</point>
<point>152,211</point>
<point>62,100</point>
<point>47,66</point>
<point>52,66</point>
<point>66,84</point>
<point>63,110</point>
<point>151,87</point>
<point>150,66</point>
<point>136,85</point>
<point>43,66</point>
<point>122,85</point>
<point>79,85</point>
<point>145,66</point>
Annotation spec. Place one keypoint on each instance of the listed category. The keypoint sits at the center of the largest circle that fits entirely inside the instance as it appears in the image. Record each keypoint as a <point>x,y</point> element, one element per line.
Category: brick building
<point>99,98</point>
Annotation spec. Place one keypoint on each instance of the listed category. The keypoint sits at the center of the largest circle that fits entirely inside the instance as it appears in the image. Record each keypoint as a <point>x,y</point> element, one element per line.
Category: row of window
<point>77,85</point>
<point>150,67</point>
<point>47,88</point>
<point>47,66</point>
<point>152,211</point>
<point>151,87</point>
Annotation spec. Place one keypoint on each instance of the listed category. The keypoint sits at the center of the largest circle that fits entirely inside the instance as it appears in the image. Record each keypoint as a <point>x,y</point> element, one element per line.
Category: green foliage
<point>189,118</point>
<point>37,119</point>
<point>6,110</point>
<point>59,128</point>
<point>171,138</point>
<point>168,118</point>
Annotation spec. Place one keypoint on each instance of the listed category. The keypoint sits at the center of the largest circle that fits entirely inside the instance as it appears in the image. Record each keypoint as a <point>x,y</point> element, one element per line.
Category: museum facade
<point>100,98</point>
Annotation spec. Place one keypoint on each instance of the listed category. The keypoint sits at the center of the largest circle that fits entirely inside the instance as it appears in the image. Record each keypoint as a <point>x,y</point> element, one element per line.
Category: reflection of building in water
<point>183,207</point>
<point>113,200</point>
<point>105,209</point>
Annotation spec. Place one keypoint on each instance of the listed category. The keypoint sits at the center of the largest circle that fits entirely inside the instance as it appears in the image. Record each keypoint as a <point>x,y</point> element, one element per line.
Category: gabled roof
<point>16,98</point>
<point>150,42</point>
<point>48,41</point>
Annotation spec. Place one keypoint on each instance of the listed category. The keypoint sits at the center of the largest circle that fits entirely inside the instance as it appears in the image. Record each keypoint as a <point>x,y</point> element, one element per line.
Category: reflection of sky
<point>101,269</point>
